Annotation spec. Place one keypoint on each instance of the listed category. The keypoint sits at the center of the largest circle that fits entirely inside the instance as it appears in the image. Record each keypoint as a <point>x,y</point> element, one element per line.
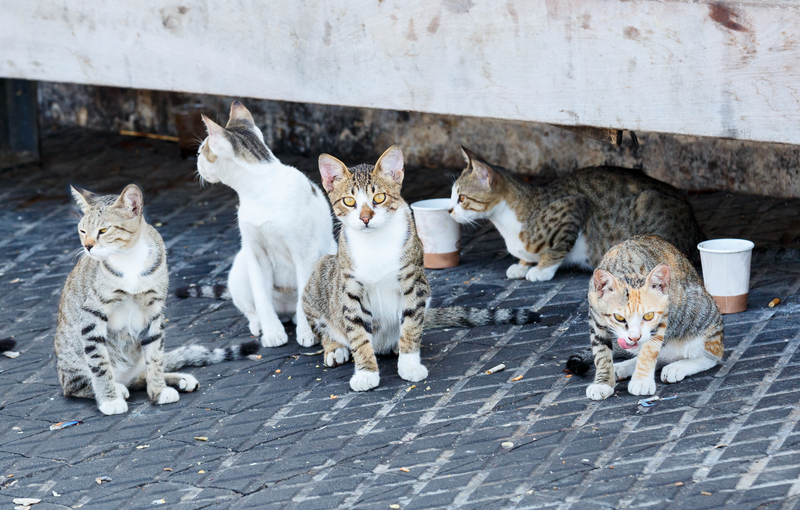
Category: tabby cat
<point>110,333</point>
<point>574,220</point>
<point>285,223</point>
<point>372,296</point>
<point>646,297</point>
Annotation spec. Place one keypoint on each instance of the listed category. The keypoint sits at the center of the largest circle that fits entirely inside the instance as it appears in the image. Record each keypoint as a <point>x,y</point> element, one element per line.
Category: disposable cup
<point>726,272</point>
<point>439,232</point>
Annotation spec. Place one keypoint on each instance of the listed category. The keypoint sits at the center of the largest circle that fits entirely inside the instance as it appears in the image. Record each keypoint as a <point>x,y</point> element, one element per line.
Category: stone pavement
<point>284,432</point>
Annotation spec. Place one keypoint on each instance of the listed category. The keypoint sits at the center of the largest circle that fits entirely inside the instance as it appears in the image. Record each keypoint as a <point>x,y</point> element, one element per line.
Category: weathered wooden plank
<point>677,67</point>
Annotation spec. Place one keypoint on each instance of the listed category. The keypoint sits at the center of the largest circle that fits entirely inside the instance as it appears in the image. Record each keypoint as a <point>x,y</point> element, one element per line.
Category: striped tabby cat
<point>372,296</point>
<point>574,220</point>
<point>110,333</point>
<point>647,298</point>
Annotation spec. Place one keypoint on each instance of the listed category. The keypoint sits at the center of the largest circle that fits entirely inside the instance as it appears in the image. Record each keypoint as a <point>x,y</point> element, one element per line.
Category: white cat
<point>284,220</point>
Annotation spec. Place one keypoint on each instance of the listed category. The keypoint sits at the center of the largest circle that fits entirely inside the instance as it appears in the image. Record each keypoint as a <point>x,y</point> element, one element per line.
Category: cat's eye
<point>82,231</point>
<point>461,198</point>
<point>102,231</point>
<point>349,201</point>
<point>648,316</point>
<point>379,198</point>
<point>619,317</point>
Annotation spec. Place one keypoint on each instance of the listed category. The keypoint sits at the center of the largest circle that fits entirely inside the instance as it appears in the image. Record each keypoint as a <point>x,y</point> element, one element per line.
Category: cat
<point>574,220</point>
<point>373,295</point>
<point>110,332</point>
<point>285,223</point>
<point>646,297</point>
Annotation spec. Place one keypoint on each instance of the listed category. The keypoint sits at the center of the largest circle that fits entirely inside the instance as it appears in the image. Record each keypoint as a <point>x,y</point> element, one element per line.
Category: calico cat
<point>574,220</point>
<point>110,333</point>
<point>646,297</point>
<point>285,223</point>
<point>372,296</point>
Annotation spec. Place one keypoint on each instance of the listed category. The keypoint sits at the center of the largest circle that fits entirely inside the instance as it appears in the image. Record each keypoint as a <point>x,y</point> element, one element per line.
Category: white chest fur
<point>131,264</point>
<point>506,222</point>
<point>376,263</point>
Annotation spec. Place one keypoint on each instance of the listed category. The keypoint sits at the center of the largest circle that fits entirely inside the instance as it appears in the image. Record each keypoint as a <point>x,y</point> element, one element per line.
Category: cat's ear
<point>604,282</point>
<point>659,278</point>
<point>131,201</point>
<point>331,170</point>
<point>240,113</point>
<point>483,171</point>
<point>84,199</point>
<point>391,163</point>
<point>217,141</point>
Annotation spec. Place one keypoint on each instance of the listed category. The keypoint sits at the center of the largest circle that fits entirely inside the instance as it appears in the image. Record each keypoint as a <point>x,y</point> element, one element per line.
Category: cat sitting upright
<point>110,333</point>
<point>285,223</point>
<point>574,220</point>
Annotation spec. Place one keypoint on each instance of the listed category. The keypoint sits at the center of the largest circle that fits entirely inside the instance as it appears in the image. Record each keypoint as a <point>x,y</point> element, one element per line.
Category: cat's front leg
<point>152,341</point>
<point>518,271</point>
<point>643,379</point>
<point>94,332</point>
<point>558,228</point>
<point>604,382</point>
<point>273,334</point>
<point>416,292</point>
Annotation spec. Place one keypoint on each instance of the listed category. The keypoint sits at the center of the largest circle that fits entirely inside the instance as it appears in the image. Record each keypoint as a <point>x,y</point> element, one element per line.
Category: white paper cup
<point>439,232</point>
<point>726,272</point>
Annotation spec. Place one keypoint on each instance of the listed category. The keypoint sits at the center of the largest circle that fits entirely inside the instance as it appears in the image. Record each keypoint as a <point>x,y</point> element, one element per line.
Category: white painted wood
<point>641,64</point>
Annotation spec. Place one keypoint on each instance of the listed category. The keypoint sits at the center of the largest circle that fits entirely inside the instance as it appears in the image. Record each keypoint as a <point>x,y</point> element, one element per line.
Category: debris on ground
<point>167,469</point>
<point>517,378</point>
<point>775,302</point>
<point>26,501</point>
<point>405,470</point>
<point>64,424</point>
<point>498,368</point>
<point>254,357</point>
<point>507,445</point>
<point>142,446</point>
<point>312,353</point>
<point>11,354</point>
<point>159,501</point>
<point>653,401</point>
<point>101,479</point>
<point>201,438</point>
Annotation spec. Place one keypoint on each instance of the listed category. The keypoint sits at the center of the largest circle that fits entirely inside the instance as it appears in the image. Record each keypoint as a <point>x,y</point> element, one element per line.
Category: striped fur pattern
<point>110,332</point>
<point>216,291</point>
<point>647,302</point>
<point>284,221</point>
<point>574,220</point>
<point>371,297</point>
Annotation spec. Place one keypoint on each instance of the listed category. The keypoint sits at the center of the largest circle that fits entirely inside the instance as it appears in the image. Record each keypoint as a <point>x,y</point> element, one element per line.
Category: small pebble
<point>507,445</point>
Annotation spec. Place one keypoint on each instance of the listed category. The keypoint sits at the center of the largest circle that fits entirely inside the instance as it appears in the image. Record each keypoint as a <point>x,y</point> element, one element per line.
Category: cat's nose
<point>450,211</point>
<point>88,247</point>
<point>634,338</point>
<point>365,220</point>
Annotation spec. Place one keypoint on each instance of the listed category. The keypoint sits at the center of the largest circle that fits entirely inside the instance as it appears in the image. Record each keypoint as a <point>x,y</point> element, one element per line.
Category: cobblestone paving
<point>284,432</point>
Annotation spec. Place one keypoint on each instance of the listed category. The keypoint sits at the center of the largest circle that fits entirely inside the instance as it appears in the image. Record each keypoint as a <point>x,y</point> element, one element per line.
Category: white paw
<point>122,391</point>
<point>116,406</point>
<point>275,336</point>
<point>599,391</point>
<point>673,373</point>
<point>188,383</point>
<point>255,327</point>
<point>410,368</point>
<point>517,271</point>
<point>541,275</point>
<point>642,386</point>
<point>338,356</point>
<point>306,337</point>
<point>168,396</point>
<point>623,370</point>
<point>363,380</point>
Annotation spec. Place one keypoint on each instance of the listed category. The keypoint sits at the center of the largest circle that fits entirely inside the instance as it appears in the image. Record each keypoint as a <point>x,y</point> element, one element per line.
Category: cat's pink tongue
<point>624,343</point>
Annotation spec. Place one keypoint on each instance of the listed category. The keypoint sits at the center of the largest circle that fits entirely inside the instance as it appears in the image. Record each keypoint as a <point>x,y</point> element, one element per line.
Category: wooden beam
<point>678,67</point>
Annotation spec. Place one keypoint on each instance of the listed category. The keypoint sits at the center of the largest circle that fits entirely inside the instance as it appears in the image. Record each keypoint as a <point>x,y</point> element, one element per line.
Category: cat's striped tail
<point>467,317</point>
<point>580,362</point>
<point>198,356</point>
<point>205,291</point>
<point>7,344</point>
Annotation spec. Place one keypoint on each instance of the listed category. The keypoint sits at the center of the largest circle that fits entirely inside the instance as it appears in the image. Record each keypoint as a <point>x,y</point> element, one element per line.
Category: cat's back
<point>611,183</point>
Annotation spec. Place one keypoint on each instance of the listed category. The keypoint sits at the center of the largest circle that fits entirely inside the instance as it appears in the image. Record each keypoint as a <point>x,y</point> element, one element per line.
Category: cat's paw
<point>168,396</point>
<point>642,386</point>
<point>255,326</point>
<point>624,370</point>
<point>673,373</point>
<point>336,357</point>
<point>364,380</point>
<point>599,391</point>
<point>116,406</point>
<point>188,383</point>
<point>516,271</point>
<point>122,391</point>
<point>410,369</point>
<point>273,337</point>
<point>306,337</point>
<point>541,275</point>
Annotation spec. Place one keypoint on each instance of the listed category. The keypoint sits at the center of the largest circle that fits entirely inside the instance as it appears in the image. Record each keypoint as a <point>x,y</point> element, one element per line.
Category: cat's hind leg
<point>335,353</point>
<point>183,382</point>
<point>624,369</point>
<point>707,354</point>
<point>242,293</point>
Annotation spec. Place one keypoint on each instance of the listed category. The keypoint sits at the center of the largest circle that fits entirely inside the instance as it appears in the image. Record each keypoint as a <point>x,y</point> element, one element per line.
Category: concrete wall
<point>361,134</point>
